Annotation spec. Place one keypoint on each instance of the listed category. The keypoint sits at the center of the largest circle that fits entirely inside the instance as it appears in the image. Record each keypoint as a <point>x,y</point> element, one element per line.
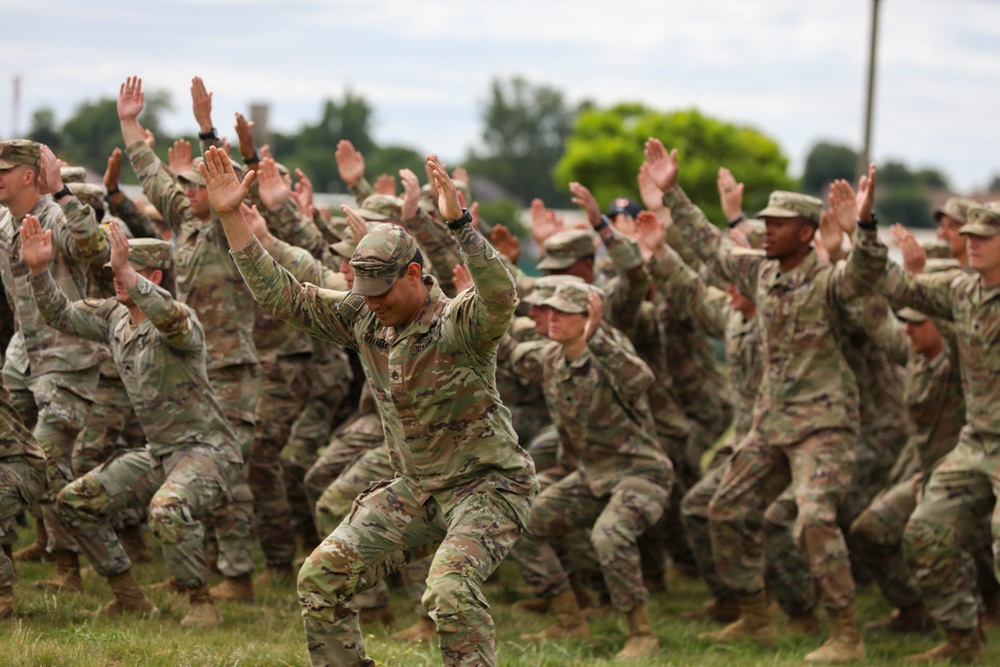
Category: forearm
<point>59,313</point>
<point>138,222</point>
<point>495,294</point>
<point>237,229</point>
<point>166,314</point>
<point>305,267</point>
<point>701,237</point>
<point>361,189</point>
<point>88,243</point>
<point>158,184</point>
<point>131,131</point>
<point>629,375</point>
<point>289,225</point>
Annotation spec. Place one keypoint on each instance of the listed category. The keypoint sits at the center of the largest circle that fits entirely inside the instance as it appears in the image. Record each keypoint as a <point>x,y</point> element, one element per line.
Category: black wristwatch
<point>206,136</point>
<point>253,159</point>
<point>461,222</point>
<point>65,192</point>
<point>737,220</point>
<point>602,224</point>
<point>872,224</point>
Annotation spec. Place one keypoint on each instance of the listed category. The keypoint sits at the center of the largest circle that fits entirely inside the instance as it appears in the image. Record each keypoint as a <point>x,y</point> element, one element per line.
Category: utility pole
<point>15,130</point>
<point>864,156</point>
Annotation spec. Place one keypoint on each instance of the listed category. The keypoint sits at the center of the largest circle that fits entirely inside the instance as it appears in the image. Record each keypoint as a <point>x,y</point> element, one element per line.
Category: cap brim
<point>343,248</point>
<point>192,177</point>
<point>979,229</point>
<point>563,305</point>
<point>911,315</point>
<point>5,165</point>
<point>550,263</point>
<point>372,215</point>
<point>371,286</point>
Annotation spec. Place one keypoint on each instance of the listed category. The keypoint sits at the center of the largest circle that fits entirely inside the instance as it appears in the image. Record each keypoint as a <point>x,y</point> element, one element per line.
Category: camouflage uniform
<point>191,456</point>
<point>621,479</point>
<point>208,281</point>
<point>806,414</point>
<point>462,481</point>
<point>51,376</point>
<point>962,488</point>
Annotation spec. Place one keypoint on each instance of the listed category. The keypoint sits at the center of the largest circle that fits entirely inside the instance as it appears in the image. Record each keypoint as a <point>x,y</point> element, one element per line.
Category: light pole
<point>865,153</point>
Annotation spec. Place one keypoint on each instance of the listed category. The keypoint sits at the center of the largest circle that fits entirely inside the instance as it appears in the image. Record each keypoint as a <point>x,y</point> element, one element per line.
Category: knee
<point>457,607</point>
<point>331,570</point>
<point>610,538</point>
<point>868,531</point>
<point>75,506</point>
<point>170,518</point>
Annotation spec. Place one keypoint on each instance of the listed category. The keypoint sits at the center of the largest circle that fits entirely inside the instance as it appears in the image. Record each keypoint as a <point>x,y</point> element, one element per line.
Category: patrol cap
<point>782,204</point>
<point>565,248</point>
<point>90,194</point>
<point>937,249</point>
<point>624,205</point>
<point>16,152</point>
<point>149,254</point>
<point>573,297</point>
<point>381,207</point>
<point>956,208</point>
<point>545,287</point>
<point>346,246</point>
<point>982,221</point>
<point>380,257</point>
<point>193,175</point>
<point>73,174</point>
<point>911,315</point>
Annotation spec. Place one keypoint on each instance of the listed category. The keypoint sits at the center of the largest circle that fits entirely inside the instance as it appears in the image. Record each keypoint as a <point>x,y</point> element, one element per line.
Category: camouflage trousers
<point>786,576</point>
<point>237,388</point>
<point>959,497</point>
<point>615,523</point>
<point>469,530</point>
<point>22,482</point>
<point>545,448</point>
<point>369,467</point>
<point>179,489</point>
<point>816,473</point>
<point>54,407</point>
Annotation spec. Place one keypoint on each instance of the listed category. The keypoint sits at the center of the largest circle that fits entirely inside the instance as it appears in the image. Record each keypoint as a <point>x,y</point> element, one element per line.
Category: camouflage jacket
<point>161,362</point>
<point>207,280</point>
<point>15,439</point>
<point>77,241</point>
<point>433,380</point>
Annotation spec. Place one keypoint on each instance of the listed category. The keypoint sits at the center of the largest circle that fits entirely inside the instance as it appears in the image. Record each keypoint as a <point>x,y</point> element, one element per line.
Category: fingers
<point>357,224</point>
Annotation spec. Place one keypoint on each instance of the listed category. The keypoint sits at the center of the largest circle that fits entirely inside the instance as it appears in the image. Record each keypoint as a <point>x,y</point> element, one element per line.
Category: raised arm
<point>80,236</point>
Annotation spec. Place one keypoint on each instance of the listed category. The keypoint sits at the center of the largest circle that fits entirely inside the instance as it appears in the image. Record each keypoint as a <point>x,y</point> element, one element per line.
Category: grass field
<point>57,630</point>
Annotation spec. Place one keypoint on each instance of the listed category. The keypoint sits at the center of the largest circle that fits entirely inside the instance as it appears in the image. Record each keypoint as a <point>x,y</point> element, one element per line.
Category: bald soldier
<point>463,487</point>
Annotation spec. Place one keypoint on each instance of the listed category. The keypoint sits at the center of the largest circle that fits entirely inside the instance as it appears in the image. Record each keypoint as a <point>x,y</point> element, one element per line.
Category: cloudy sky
<point>794,70</point>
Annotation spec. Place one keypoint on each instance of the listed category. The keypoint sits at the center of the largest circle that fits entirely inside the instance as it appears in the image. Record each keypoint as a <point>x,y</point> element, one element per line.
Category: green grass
<point>58,630</point>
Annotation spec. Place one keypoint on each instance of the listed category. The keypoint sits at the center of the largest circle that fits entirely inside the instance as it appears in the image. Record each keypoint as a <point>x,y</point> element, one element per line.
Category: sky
<point>791,69</point>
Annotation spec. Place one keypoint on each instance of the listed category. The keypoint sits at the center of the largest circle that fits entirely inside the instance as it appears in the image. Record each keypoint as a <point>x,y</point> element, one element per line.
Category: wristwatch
<point>65,192</point>
<point>211,134</point>
<point>872,224</point>
<point>461,222</point>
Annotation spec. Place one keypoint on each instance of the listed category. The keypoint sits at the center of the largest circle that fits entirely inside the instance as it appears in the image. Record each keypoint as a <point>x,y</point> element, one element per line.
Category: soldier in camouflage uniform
<point>159,348</point>
<point>463,486</point>
<point>805,418</point>
<point>595,387</point>
<point>207,280</point>
<point>51,377</point>
<point>962,490</point>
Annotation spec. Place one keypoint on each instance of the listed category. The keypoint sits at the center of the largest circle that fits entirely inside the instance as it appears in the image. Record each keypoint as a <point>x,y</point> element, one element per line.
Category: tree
<point>827,162</point>
<point>524,135</point>
<point>605,150</point>
<point>44,129</point>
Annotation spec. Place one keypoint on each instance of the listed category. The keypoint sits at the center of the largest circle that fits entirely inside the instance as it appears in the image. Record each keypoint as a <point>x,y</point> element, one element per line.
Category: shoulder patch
<point>351,304</point>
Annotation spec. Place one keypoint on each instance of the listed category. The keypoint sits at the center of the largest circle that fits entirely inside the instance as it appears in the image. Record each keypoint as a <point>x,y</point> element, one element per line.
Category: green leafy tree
<point>827,162</point>
<point>605,150</point>
<point>44,129</point>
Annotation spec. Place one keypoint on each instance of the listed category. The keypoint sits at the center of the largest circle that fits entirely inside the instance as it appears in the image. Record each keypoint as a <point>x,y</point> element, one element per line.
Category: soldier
<point>159,348</point>
<point>51,377</point>
<point>950,217</point>
<point>462,482</point>
<point>806,415</point>
<point>595,387</point>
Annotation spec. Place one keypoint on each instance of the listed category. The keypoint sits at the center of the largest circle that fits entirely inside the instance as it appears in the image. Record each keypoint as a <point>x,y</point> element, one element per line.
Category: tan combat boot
<point>717,610</point>
<point>805,623</point>
<point>35,552</point>
<point>67,577</point>
<point>170,585</point>
<point>202,612</point>
<point>754,624</point>
<point>276,575</point>
<point>962,647</point>
<point>235,589</point>
<point>641,642</point>
<point>534,605</point>
<point>844,643</point>
<point>369,616</point>
<point>8,605</point>
<point>422,631</point>
<point>571,623</point>
<point>133,540</point>
<point>913,619</point>
<point>128,597</point>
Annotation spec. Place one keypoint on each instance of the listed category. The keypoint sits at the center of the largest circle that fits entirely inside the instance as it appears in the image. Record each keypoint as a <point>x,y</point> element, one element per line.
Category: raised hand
<point>844,206</point>
<point>113,172</point>
<point>914,253</point>
<point>244,133</point>
<point>179,156</point>
<point>544,222</point>
<point>356,223</point>
<point>271,186</point>
<point>50,175</point>
<point>350,163</point>
<point>739,238</point>
<point>663,166</point>
<point>595,313</point>
<point>650,194</point>
<point>866,194</point>
<point>650,232</point>
<point>36,245</point>
<point>225,191</point>
<point>149,137</point>
<point>201,104</point>
<point>448,202</point>
<point>506,243</point>
<point>130,99</point>
<point>411,193</point>
<point>460,174</point>
<point>257,224</point>
<point>586,201</point>
<point>730,194</point>
<point>385,185</point>
<point>119,248</point>
<point>461,277</point>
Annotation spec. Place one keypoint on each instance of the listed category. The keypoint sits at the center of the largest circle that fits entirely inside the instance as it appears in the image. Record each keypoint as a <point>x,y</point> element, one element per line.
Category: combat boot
<point>641,642</point>
<point>170,585</point>
<point>128,597</point>
<point>583,598</point>
<point>571,623</point>
<point>235,589</point>
<point>369,616</point>
<point>961,646</point>
<point>276,575</point>
<point>844,643</point>
<point>805,623</point>
<point>35,552</point>
<point>423,630</point>
<point>913,619</point>
<point>717,610</point>
<point>67,577</point>
<point>8,606</point>
<point>534,605</point>
<point>754,624</point>
<point>133,540</point>
<point>202,612</point>
<point>990,618</point>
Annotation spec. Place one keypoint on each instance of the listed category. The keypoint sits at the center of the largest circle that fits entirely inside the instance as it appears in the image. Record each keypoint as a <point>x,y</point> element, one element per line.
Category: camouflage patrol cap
<point>16,152</point>
<point>937,249</point>
<point>573,297</point>
<point>149,254</point>
<point>346,246</point>
<point>380,258</point>
<point>73,174</point>
<point>545,287</point>
<point>565,248</point>
<point>193,175</point>
<point>381,207</point>
<point>982,221</point>
<point>911,315</point>
<point>783,204</point>
<point>90,194</point>
<point>956,208</point>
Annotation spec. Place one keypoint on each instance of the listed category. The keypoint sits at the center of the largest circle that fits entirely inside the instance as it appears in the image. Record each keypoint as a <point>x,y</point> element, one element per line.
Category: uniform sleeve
<point>85,319</point>
<point>168,315</point>
<point>158,185</point>
<point>289,225</point>
<point>688,293</point>
<point>78,235</point>
<point>305,267</point>
<point>441,248</point>
<point>138,222</point>
<point>633,281</point>
<point>629,375</point>
<point>484,312</point>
